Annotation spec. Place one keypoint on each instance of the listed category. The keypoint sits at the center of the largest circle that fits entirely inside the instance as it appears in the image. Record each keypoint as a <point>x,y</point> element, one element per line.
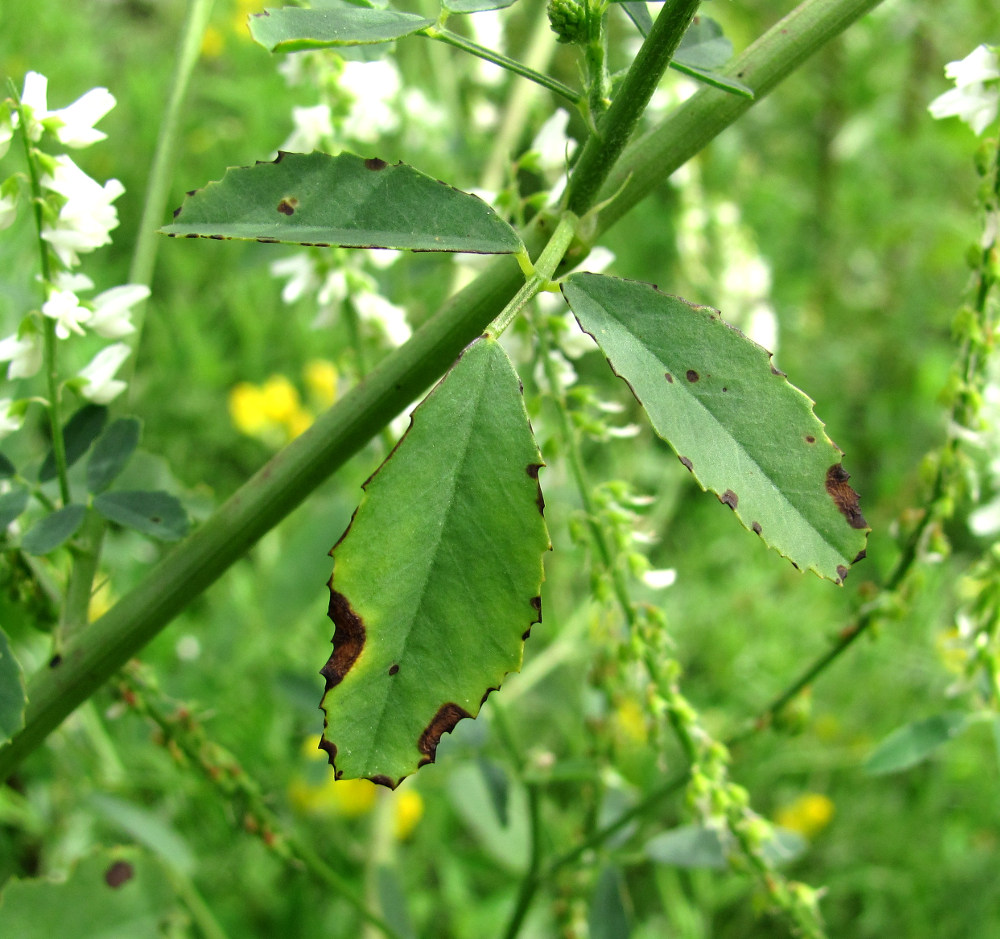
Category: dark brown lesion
<point>730,498</point>
<point>348,639</point>
<point>756,528</point>
<point>842,572</point>
<point>687,463</point>
<point>692,375</point>
<point>444,722</point>
<point>533,469</point>
<point>844,497</point>
<point>288,205</point>
<point>118,873</point>
<point>374,163</point>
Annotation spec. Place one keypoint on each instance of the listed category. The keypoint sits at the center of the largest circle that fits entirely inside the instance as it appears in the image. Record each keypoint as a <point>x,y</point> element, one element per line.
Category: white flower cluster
<point>78,215</point>
<point>975,99</point>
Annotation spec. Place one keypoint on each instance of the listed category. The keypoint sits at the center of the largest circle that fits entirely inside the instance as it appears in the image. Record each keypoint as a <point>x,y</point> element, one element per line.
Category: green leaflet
<point>915,742</point>
<point>12,695</point>
<point>290,29</point>
<point>318,199</point>
<point>436,582</point>
<point>734,420</point>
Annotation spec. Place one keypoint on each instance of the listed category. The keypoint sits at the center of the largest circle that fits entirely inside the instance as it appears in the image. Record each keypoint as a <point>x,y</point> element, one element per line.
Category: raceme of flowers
<point>975,99</point>
<point>78,215</point>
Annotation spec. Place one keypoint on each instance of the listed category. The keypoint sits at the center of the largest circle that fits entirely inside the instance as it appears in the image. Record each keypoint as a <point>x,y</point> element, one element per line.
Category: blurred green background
<point>861,205</point>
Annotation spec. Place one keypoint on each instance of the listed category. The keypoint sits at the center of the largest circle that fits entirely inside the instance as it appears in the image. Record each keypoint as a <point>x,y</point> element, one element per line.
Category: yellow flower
<point>630,722</point>
<point>321,380</point>
<point>212,43</point>
<point>809,814</point>
<point>246,409</point>
<point>409,809</point>
<point>280,399</point>
<point>350,798</point>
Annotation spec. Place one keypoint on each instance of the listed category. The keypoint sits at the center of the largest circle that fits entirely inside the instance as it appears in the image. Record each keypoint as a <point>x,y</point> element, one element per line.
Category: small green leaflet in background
<point>12,504</point>
<point>913,743</point>
<point>608,918</point>
<point>292,29</point>
<point>117,893</point>
<point>54,529</point>
<point>475,6</point>
<point>12,695</point>
<point>734,420</point>
<point>318,199</point>
<point>7,469</point>
<point>157,514</point>
<point>695,846</point>
<point>112,451</point>
<point>436,582</point>
<point>79,433</point>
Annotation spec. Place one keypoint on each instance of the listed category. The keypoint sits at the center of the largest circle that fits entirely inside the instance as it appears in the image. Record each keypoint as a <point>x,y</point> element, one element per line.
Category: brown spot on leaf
<point>668,377</point>
<point>331,751</point>
<point>381,780</point>
<point>756,528</point>
<point>288,205</point>
<point>536,602</point>
<point>810,438</point>
<point>860,556</point>
<point>177,212</point>
<point>730,498</point>
<point>844,497</point>
<point>118,873</point>
<point>533,469</point>
<point>393,669</point>
<point>692,375</point>
<point>348,639</point>
<point>487,693</point>
<point>55,661</point>
<point>777,371</point>
<point>444,722</point>
<point>687,463</point>
<point>842,572</point>
<point>374,163</point>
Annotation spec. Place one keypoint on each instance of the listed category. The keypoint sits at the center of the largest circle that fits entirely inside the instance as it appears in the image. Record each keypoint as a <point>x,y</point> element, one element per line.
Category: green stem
<point>603,149</point>
<point>293,473</point>
<point>541,278</point>
<point>441,34</point>
<point>50,340</point>
<point>158,184</point>
<point>595,54</point>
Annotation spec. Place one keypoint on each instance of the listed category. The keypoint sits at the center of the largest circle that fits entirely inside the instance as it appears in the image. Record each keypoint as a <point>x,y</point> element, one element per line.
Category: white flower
<point>628,430</point>
<point>975,99</point>
<point>313,126</point>
<point>374,86</point>
<point>8,422</point>
<point>980,65</point>
<point>113,308</point>
<point>551,143</point>
<point>67,280</point>
<point>391,319</point>
<point>100,384</point>
<point>34,103</point>
<point>74,125</point>
<point>6,131</point>
<point>87,216</point>
<point>64,307</point>
<point>24,352</point>
<point>660,579</point>
<point>300,269</point>
<point>8,209</point>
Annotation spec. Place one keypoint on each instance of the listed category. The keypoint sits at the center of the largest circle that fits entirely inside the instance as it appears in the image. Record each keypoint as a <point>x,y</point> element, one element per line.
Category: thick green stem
<point>603,149</point>
<point>310,459</point>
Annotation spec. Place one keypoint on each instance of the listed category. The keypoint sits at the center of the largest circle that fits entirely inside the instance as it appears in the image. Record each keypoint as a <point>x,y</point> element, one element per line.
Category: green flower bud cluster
<point>568,20</point>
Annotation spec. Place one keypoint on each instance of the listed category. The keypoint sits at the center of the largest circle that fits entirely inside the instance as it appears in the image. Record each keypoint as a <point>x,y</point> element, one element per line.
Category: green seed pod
<point>568,20</point>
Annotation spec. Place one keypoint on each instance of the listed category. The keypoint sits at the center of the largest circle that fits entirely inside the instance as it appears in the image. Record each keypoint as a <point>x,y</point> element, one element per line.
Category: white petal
<point>101,385</point>
<point>78,119</point>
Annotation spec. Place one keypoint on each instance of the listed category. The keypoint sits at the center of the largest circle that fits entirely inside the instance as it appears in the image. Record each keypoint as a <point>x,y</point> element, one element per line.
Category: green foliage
<point>537,816</point>
<point>731,416</point>
<point>452,521</point>
<point>316,199</point>
<point>11,691</point>
<point>291,29</point>
<point>914,743</point>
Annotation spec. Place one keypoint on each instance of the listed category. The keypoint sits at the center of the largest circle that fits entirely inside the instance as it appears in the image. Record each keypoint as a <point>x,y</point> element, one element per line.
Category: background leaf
<point>913,743</point>
<point>157,514</point>
<point>608,918</point>
<point>12,696</point>
<point>55,529</point>
<point>734,420</point>
<point>289,29</point>
<point>452,521</point>
<point>704,46</point>
<point>475,6</point>
<point>7,469</point>
<point>112,452</point>
<point>318,199</point>
<point>79,433</point>
<point>12,504</point>
<point>113,894</point>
